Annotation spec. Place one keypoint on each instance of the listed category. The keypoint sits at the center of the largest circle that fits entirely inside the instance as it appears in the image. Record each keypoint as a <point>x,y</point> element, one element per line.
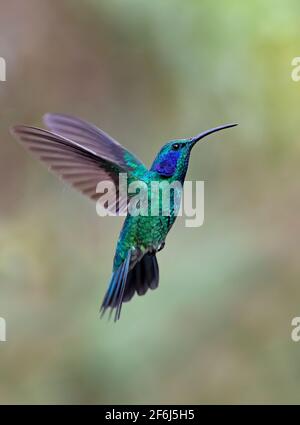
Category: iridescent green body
<point>148,233</point>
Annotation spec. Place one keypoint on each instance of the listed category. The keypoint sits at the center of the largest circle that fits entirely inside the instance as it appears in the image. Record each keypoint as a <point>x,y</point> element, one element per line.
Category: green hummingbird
<point>84,155</point>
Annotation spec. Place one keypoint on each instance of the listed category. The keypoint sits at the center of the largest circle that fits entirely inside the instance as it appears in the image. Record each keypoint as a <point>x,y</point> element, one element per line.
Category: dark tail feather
<point>115,293</point>
<point>143,276</point>
<point>123,285</point>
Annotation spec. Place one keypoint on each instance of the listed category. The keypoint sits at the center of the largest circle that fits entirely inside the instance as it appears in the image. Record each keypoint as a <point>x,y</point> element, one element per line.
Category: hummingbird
<point>84,155</point>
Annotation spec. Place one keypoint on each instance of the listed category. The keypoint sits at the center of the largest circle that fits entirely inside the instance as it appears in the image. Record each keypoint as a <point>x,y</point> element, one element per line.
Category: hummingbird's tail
<point>124,283</point>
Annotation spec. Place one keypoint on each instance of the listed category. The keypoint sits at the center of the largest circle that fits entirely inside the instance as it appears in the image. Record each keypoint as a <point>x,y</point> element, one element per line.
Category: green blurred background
<point>218,328</point>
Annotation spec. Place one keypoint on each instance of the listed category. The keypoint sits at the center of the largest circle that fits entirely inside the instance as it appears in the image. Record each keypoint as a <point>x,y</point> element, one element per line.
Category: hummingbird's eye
<point>176,146</point>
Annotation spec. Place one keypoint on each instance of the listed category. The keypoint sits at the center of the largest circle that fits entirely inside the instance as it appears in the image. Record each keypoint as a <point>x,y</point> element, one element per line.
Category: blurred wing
<point>92,138</point>
<point>79,165</point>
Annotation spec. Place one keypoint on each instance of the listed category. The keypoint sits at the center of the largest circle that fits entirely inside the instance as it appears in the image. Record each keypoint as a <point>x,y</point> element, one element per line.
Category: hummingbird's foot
<point>161,246</point>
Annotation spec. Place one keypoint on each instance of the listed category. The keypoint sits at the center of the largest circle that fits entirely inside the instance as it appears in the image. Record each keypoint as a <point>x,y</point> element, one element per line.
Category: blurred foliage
<point>218,328</point>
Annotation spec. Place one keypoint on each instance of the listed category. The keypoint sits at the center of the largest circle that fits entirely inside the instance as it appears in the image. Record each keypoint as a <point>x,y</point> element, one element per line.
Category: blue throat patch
<point>167,163</point>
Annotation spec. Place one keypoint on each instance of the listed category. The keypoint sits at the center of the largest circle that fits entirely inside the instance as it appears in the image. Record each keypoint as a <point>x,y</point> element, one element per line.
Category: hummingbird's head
<point>173,158</point>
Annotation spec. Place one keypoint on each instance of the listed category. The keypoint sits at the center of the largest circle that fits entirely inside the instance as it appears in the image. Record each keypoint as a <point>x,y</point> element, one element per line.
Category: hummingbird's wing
<point>82,164</point>
<point>93,138</point>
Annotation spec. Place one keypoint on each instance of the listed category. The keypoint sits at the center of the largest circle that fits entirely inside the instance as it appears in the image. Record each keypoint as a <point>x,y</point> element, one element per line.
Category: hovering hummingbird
<point>84,155</point>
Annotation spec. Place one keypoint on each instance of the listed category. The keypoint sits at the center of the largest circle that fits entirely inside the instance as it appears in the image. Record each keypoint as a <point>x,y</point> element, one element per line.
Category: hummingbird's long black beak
<point>207,132</point>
